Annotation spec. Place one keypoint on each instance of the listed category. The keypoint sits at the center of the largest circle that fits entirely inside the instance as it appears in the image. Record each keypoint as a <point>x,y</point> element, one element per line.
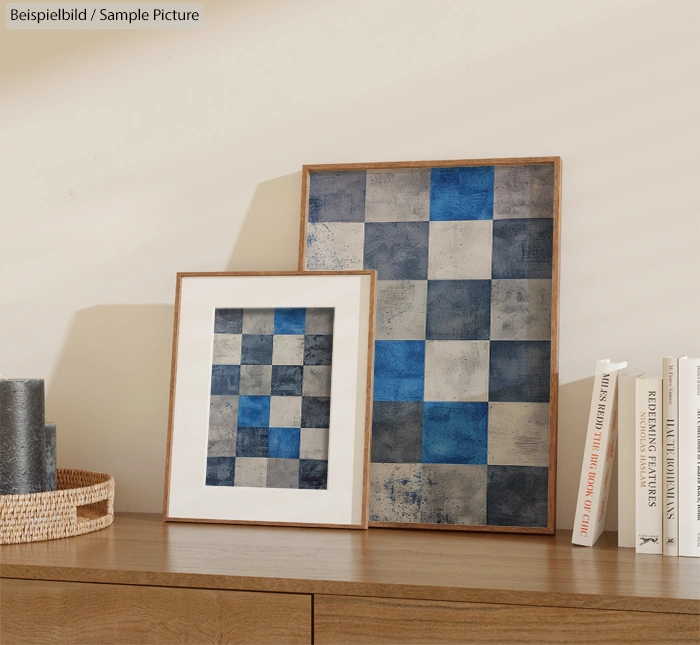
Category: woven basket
<point>84,502</point>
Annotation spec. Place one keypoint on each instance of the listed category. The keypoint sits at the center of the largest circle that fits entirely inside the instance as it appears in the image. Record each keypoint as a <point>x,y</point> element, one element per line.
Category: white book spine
<point>670,455</point>
<point>626,460</point>
<point>649,518</point>
<point>598,457</point>
<point>689,457</point>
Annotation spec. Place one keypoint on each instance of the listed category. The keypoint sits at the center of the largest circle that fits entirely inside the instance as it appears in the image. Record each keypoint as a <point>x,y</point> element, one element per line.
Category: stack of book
<point>655,424</point>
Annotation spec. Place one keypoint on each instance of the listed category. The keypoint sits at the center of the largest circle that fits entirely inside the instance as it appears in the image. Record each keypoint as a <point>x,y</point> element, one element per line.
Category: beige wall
<point>129,156</point>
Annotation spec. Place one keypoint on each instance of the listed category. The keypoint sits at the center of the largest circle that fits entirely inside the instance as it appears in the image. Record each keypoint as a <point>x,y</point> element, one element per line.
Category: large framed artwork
<point>271,398</point>
<point>465,381</point>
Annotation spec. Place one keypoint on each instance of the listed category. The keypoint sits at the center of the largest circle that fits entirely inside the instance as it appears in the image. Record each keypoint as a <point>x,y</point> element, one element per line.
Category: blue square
<point>461,193</point>
<point>459,310</point>
<point>455,433</point>
<point>313,474</point>
<point>290,321</point>
<point>220,471</point>
<point>283,443</point>
<point>287,380</point>
<point>517,496</point>
<point>337,196</point>
<point>397,250</point>
<point>318,349</point>
<point>522,248</point>
<point>256,349</point>
<point>253,411</point>
<point>251,442</point>
<point>399,370</point>
<point>225,379</point>
<point>519,370</point>
<point>228,321</point>
<point>315,412</point>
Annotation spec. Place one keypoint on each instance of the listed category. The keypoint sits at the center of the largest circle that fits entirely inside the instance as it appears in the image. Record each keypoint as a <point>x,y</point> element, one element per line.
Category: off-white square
<point>460,250</point>
<point>457,370</point>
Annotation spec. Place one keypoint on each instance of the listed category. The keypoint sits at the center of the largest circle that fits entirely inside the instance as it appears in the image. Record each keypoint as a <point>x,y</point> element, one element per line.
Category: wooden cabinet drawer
<point>34,611</point>
<point>346,619</point>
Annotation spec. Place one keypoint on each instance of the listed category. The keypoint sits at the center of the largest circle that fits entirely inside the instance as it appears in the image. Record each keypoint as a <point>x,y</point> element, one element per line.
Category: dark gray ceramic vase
<point>22,436</point>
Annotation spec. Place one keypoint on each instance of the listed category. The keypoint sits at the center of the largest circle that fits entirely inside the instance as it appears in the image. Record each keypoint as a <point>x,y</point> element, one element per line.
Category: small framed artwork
<point>271,399</point>
<point>465,381</point>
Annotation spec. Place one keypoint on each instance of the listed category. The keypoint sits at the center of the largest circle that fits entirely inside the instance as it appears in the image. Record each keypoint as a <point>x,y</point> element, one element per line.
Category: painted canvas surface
<point>463,352</point>
<point>270,398</point>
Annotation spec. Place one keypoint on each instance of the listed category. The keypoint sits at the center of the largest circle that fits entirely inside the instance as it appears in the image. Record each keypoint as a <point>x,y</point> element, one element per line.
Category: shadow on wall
<point>269,237</point>
<point>574,406</point>
<point>109,398</point>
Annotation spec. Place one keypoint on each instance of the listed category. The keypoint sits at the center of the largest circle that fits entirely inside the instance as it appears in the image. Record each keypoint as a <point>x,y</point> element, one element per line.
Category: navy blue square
<point>455,433</point>
<point>253,411</point>
<point>283,443</point>
<point>225,379</point>
<point>461,193</point>
<point>517,496</point>
<point>228,321</point>
<point>318,349</point>
<point>290,321</point>
<point>337,196</point>
<point>256,349</point>
<point>519,370</point>
<point>220,471</point>
<point>459,310</point>
<point>397,250</point>
<point>522,248</point>
<point>313,474</point>
<point>251,442</point>
<point>399,370</point>
<point>315,412</point>
<point>397,432</point>
<point>287,380</point>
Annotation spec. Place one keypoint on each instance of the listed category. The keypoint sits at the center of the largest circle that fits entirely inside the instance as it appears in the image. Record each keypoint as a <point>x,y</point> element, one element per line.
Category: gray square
<point>460,250</point>
<point>398,195</point>
<point>285,411</point>
<point>456,370</point>
<point>282,473</point>
<point>255,380</point>
<point>288,349</point>
<point>320,321</point>
<point>317,380</point>
<point>333,246</point>
<point>227,349</point>
<point>258,321</point>
<point>518,434</point>
<point>454,494</point>
<point>223,417</point>
<point>313,443</point>
<point>521,310</point>
<point>401,309</point>
<point>523,191</point>
<point>251,472</point>
<point>225,447</point>
<point>395,492</point>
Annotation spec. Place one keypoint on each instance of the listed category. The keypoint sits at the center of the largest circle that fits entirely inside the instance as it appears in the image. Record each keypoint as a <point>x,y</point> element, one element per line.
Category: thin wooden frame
<point>365,376</point>
<point>555,162</point>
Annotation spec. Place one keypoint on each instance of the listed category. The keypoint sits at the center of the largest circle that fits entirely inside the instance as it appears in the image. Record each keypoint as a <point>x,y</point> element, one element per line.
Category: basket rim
<point>101,480</point>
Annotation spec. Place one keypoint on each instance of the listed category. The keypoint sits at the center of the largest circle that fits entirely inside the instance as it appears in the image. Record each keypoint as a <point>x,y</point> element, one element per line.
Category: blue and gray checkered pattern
<point>270,398</point>
<point>462,356</point>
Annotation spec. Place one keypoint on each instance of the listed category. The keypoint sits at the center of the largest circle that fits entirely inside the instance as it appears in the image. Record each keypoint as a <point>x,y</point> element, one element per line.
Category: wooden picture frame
<point>270,398</point>
<point>466,356</point>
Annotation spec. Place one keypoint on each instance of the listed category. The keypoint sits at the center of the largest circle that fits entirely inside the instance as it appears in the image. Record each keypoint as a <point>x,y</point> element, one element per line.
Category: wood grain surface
<point>345,619</point>
<point>75,613</point>
<point>478,567</point>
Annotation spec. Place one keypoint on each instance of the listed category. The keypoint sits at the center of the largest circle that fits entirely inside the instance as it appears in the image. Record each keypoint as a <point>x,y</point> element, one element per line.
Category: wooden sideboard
<point>144,581</point>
